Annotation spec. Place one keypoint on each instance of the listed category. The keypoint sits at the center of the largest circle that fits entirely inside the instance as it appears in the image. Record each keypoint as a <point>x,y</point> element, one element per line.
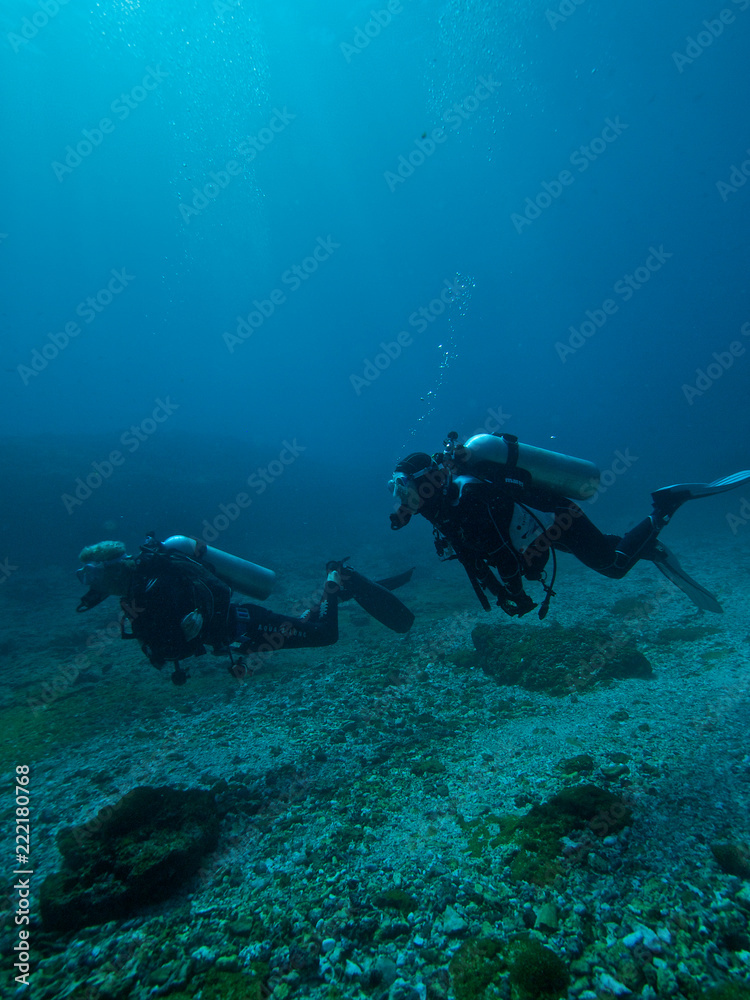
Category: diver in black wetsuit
<point>175,606</point>
<point>495,518</point>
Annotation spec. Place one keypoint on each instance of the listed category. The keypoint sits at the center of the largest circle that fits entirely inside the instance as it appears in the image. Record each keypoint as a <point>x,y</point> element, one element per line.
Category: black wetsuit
<point>511,528</point>
<point>176,606</point>
<point>259,630</point>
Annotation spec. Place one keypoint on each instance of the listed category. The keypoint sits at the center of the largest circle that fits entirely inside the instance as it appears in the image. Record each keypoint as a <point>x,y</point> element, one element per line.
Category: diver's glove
<point>516,604</point>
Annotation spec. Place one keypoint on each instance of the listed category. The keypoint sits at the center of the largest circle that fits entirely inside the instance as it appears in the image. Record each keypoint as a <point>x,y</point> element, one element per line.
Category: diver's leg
<point>265,631</point>
<point>573,532</point>
<point>611,555</point>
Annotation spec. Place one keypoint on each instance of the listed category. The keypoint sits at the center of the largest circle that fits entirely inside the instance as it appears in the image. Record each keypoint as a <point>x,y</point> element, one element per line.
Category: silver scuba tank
<point>240,574</point>
<point>573,477</point>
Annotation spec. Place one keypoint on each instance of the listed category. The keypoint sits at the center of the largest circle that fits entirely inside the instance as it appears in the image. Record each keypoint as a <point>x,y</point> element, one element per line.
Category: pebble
<point>401,990</point>
<point>666,982</point>
<point>385,970</point>
<point>204,956</point>
<point>610,984</point>
<point>452,923</point>
<point>645,936</point>
<point>328,945</point>
<point>546,916</point>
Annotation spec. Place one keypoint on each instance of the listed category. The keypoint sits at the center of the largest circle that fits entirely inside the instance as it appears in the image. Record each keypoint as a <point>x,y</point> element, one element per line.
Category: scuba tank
<point>572,477</point>
<point>239,574</point>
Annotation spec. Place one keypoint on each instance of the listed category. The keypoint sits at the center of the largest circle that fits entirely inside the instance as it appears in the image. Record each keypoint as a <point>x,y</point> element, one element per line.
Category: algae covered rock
<point>576,807</point>
<point>732,859</point>
<point>476,965</point>
<point>534,971</point>
<point>729,991</point>
<point>537,972</point>
<point>538,834</point>
<point>580,764</point>
<point>396,899</point>
<point>135,852</point>
<point>556,659</point>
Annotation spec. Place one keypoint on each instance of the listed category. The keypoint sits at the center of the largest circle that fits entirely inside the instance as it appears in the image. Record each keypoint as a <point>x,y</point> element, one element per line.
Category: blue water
<point>257,197</point>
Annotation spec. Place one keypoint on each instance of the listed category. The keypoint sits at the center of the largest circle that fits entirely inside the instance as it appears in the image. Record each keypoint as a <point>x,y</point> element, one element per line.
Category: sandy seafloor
<point>329,739</point>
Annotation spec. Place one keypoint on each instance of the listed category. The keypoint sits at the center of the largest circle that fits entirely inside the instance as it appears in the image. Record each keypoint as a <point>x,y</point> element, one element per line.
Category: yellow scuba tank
<point>573,477</point>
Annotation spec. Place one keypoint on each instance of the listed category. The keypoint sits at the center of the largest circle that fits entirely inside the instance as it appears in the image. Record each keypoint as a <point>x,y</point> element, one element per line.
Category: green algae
<point>488,831</point>
<point>537,835</point>
<point>539,867</point>
<point>537,973</point>
<point>554,659</point>
<point>534,971</point>
<point>476,965</point>
<point>217,985</point>
<point>581,763</point>
<point>396,899</point>
<point>729,991</point>
<point>135,852</point>
<point>732,859</point>
<point>431,765</point>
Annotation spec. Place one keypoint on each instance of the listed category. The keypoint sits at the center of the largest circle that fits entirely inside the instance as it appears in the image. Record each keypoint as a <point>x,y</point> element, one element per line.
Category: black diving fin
<point>378,601</point>
<point>394,582</point>
<point>375,597</point>
<point>667,562</point>
<point>668,499</point>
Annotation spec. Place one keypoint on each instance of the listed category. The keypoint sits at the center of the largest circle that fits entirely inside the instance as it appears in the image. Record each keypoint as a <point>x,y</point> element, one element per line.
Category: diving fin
<point>668,499</point>
<point>668,563</point>
<point>376,598</point>
<point>394,582</point>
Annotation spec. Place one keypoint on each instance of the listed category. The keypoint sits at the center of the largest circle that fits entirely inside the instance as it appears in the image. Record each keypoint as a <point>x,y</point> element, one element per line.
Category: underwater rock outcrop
<point>533,971</point>
<point>135,852</point>
<point>555,659</point>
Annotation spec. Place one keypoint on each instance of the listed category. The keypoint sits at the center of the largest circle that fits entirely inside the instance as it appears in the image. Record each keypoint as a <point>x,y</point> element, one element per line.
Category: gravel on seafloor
<point>364,787</point>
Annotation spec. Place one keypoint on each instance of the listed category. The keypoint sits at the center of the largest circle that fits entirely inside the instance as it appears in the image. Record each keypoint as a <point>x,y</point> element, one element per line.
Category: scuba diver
<point>502,507</point>
<point>176,600</point>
